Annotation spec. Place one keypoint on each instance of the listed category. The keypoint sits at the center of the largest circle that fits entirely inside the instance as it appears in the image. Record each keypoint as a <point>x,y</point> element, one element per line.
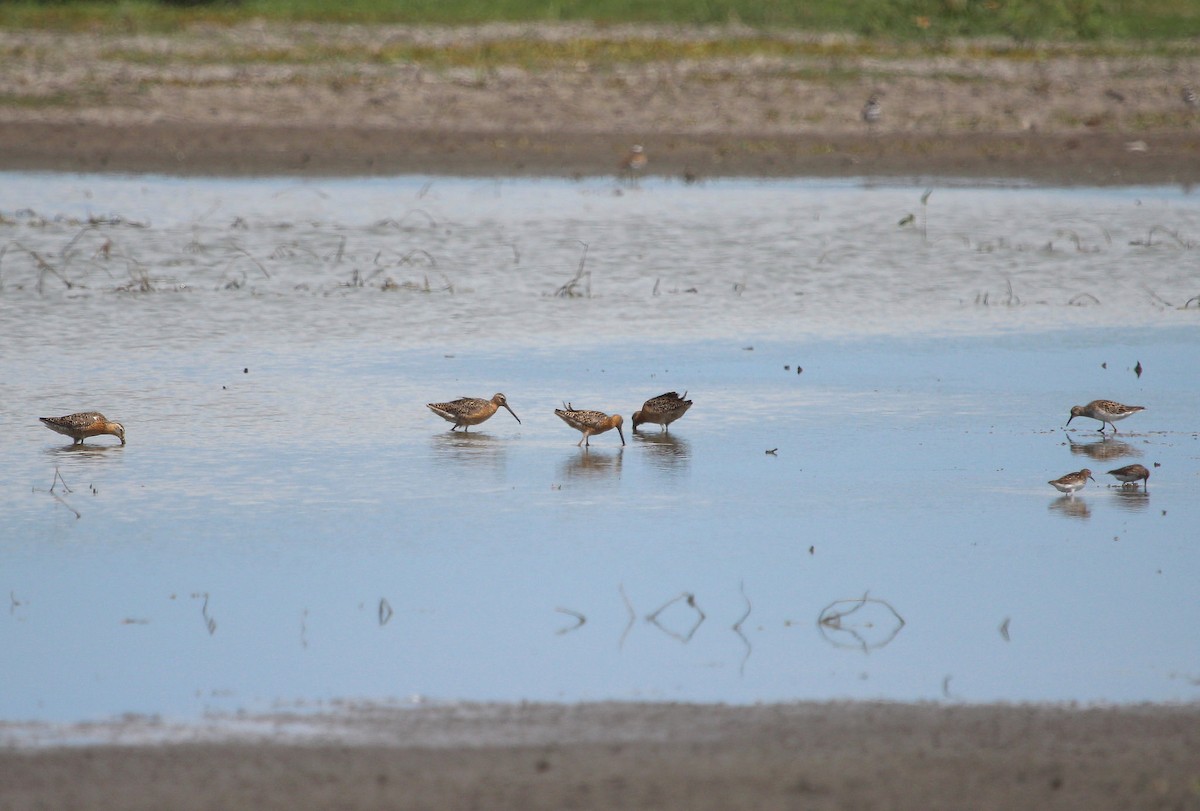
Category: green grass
<point>916,20</point>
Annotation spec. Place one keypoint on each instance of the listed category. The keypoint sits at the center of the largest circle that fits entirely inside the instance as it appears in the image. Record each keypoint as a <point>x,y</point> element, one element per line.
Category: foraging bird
<point>872,111</point>
<point>1072,481</point>
<point>469,411</point>
<point>662,410</point>
<point>590,422</point>
<point>83,425</point>
<point>1106,411</point>
<point>1131,474</point>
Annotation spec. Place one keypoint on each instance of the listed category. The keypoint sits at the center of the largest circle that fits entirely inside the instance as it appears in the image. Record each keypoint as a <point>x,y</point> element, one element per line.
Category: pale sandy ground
<point>184,105</point>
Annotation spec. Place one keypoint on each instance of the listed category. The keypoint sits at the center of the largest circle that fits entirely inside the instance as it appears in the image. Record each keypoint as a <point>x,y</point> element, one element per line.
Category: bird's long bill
<point>1069,420</point>
<point>622,433</point>
<point>510,411</point>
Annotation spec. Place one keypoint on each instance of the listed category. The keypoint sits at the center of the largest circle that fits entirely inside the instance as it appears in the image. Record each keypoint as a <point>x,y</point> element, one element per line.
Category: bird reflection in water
<point>459,447</point>
<point>1102,449</point>
<point>1071,507</point>
<point>665,451</point>
<point>1130,499</point>
<point>593,464</point>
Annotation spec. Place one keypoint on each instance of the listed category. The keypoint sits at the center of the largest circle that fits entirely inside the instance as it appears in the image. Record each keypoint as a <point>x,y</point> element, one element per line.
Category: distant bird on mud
<point>872,111</point>
<point>634,162</point>
<point>468,411</point>
<point>1188,94</point>
<point>662,410</point>
<point>1072,481</point>
<point>83,425</point>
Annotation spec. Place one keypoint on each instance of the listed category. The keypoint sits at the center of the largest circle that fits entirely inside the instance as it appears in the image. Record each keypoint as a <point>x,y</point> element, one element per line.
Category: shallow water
<point>289,525</point>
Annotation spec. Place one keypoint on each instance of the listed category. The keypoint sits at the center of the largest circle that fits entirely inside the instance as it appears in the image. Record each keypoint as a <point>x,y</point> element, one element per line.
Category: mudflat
<point>319,100</point>
<point>632,756</point>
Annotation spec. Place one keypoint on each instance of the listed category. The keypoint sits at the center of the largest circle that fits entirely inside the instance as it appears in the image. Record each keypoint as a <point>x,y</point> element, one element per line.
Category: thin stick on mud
<point>239,249</point>
<point>569,290</point>
<point>43,266</point>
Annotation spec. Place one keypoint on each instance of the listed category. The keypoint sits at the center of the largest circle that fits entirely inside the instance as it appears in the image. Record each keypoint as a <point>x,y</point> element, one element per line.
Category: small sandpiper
<point>1132,474</point>
<point>468,411</point>
<point>83,425</point>
<point>662,410</point>
<point>1072,481</point>
<point>1106,411</point>
<point>590,422</point>
<point>872,111</point>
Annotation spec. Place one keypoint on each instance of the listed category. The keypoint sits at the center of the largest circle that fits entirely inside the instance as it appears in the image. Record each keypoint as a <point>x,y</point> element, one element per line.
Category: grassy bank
<point>916,20</point>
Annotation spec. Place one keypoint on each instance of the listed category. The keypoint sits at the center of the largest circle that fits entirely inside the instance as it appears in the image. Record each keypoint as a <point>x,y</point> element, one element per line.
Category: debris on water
<point>799,369</point>
<point>773,452</point>
<point>787,367</point>
<point>1137,370</point>
<point>1004,628</point>
<point>246,370</point>
<point>1104,365</point>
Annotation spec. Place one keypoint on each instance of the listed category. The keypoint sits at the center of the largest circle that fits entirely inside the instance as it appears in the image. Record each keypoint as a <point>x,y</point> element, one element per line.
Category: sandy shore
<point>633,756</point>
<point>327,100</point>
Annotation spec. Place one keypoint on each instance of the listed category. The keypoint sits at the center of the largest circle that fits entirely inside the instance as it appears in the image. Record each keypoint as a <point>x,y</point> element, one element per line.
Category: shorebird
<point>872,111</point>
<point>662,410</point>
<point>468,411</point>
<point>634,161</point>
<point>590,422</point>
<point>1106,411</point>
<point>1072,481</point>
<point>83,425</point>
<point>1131,474</point>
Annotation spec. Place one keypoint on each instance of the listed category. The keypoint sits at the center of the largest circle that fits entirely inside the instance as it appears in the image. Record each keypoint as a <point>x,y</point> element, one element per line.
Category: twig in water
<point>59,478</point>
<point>1081,300</point>
<point>690,599</point>
<point>632,616</point>
<point>209,622</point>
<point>833,618</point>
<point>737,629</point>
<point>385,611</point>
<point>580,620</point>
